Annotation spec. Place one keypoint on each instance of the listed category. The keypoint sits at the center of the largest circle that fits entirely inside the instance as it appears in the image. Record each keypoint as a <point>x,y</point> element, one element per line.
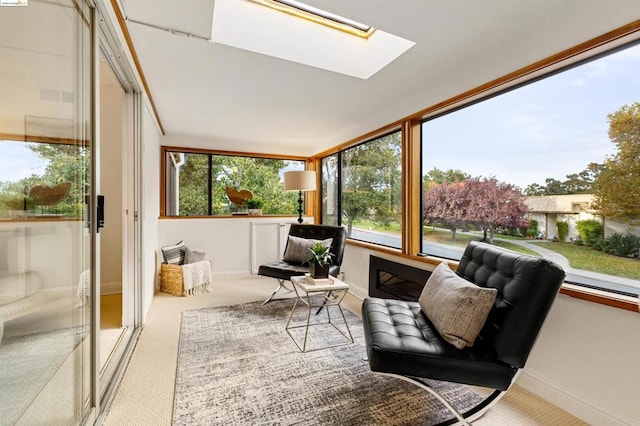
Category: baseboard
<point>232,274</point>
<point>564,399</point>
<point>358,291</point>
<point>226,275</point>
<point>113,287</point>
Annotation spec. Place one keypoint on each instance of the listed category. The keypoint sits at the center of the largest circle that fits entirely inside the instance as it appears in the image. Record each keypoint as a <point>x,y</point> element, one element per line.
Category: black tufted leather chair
<point>402,342</point>
<point>283,271</point>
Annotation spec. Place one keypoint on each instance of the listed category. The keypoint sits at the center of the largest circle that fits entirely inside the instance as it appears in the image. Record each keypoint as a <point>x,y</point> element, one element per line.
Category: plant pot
<point>318,272</point>
<point>255,212</point>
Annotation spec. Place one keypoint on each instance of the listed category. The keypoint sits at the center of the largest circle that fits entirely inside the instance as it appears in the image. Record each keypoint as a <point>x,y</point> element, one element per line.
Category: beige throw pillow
<point>457,308</point>
<point>297,250</point>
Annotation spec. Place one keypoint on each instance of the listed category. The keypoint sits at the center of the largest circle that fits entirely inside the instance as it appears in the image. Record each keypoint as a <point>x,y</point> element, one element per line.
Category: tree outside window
<point>370,190</point>
<point>197,183</point>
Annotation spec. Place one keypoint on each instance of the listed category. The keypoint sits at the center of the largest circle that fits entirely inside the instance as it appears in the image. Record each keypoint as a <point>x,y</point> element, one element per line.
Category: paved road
<point>436,249</point>
<point>576,275</point>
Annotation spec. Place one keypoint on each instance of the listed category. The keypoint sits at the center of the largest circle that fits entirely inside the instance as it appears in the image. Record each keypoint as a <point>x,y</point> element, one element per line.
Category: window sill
<point>397,252</point>
<point>376,247</point>
<point>239,216</point>
<point>41,219</point>
<point>602,297</point>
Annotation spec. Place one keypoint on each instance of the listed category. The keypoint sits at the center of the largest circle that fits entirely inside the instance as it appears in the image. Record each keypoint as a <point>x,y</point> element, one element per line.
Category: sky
<point>548,129</point>
<point>17,161</point>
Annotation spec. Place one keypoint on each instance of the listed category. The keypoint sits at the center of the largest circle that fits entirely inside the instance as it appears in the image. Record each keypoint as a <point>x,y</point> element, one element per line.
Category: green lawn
<point>393,228</point>
<point>581,257</point>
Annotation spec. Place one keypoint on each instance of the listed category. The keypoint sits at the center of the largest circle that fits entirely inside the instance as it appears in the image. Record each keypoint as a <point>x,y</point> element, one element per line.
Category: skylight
<point>250,26</point>
<point>319,16</point>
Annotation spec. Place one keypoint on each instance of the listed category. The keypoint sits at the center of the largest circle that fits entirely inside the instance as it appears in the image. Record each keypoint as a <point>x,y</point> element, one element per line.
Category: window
<point>319,16</point>
<point>330,190</point>
<point>209,184</point>
<point>539,169</point>
<point>368,202</point>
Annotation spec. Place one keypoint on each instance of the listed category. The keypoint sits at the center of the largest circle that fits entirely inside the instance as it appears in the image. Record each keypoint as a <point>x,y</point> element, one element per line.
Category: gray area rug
<point>27,363</point>
<point>238,366</point>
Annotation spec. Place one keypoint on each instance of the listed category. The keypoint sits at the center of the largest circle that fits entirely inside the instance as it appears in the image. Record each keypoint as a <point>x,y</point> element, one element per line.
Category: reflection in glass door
<point>45,183</point>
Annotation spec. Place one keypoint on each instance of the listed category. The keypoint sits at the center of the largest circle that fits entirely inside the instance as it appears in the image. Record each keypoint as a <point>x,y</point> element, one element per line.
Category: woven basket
<point>171,279</point>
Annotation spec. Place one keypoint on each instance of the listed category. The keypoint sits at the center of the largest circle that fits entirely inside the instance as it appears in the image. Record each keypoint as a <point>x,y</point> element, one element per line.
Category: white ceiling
<point>226,97</point>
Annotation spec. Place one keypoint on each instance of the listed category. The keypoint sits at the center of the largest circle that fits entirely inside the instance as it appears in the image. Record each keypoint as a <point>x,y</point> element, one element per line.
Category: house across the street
<point>548,210</point>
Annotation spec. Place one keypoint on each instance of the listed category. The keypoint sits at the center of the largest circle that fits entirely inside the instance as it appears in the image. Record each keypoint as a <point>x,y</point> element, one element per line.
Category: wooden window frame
<point>309,165</point>
<point>411,151</point>
<point>397,127</point>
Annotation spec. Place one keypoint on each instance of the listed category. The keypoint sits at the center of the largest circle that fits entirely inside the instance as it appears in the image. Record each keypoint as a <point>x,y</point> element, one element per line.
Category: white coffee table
<point>327,294</point>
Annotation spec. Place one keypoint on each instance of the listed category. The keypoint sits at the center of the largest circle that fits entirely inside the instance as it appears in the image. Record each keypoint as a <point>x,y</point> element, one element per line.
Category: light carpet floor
<point>146,394</point>
<point>237,367</point>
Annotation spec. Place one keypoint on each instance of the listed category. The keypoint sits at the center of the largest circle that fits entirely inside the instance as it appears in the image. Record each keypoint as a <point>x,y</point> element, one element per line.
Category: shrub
<point>590,232</point>
<point>622,245</point>
<point>599,243</point>
<point>514,232</point>
<point>532,230</point>
<point>563,231</point>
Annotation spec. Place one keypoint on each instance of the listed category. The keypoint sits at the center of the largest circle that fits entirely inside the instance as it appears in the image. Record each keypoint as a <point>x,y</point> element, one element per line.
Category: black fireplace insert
<point>393,280</point>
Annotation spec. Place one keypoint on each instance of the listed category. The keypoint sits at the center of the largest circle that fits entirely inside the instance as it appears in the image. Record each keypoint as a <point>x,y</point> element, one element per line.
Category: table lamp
<point>304,180</point>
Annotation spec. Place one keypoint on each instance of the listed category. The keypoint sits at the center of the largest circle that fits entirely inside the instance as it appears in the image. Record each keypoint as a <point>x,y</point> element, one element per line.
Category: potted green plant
<point>319,261</point>
<point>254,206</point>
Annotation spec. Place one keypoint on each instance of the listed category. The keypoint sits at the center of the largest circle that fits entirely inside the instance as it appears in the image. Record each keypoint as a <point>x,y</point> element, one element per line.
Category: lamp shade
<point>304,180</point>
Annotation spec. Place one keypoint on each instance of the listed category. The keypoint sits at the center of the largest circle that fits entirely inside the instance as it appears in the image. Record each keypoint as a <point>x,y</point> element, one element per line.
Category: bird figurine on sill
<point>240,197</point>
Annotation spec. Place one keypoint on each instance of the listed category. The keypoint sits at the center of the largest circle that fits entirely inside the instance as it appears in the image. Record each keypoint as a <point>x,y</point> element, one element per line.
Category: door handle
<point>100,213</point>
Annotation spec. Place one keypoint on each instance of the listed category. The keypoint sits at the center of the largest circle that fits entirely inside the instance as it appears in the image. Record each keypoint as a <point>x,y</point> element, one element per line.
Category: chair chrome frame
<point>468,416</point>
<point>281,284</point>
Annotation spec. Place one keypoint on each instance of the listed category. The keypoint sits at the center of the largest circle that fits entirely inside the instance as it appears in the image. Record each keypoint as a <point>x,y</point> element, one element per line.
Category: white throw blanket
<point>197,277</point>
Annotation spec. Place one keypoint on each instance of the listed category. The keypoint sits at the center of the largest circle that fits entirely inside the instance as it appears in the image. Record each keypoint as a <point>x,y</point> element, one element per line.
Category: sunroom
<point>132,125</point>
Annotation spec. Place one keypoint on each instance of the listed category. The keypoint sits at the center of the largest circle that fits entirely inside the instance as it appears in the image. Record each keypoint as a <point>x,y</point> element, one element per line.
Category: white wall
<point>150,175</point>
<point>226,241</point>
<point>585,360</point>
<point>612,226</point>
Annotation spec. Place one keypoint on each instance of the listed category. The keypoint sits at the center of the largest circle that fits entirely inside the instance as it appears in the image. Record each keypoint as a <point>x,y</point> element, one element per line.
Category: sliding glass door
<point>46,250</point>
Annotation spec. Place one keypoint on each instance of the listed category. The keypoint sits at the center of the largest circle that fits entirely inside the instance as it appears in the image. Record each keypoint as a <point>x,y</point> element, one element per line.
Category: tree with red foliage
<point>484,203</point>
<point>493,203</point>
<point>446,204</point>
